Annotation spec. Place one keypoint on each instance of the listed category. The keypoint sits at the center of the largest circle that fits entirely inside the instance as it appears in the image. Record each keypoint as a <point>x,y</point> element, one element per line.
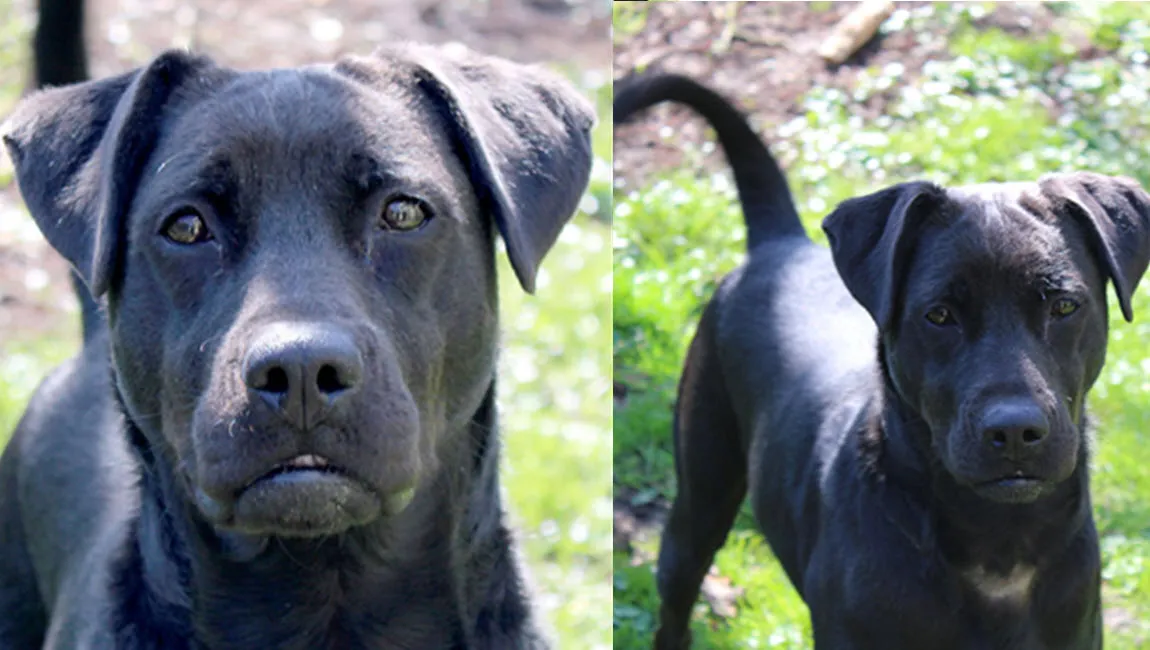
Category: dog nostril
<point>998,438</point>
<point>329,381</point>
<point>1030,436</point>
<point>276,381</point>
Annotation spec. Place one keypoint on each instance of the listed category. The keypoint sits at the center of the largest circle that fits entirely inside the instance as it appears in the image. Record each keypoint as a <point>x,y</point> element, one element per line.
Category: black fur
<point>762,186</point>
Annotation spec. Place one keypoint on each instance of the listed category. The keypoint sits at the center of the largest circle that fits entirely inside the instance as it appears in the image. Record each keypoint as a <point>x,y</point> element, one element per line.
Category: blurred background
<point>554,397</point>
<point>950,92</point>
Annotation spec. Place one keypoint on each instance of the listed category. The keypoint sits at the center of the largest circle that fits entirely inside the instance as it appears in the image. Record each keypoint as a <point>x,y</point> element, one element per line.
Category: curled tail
<point>60,58</point>
<point>768,207</point>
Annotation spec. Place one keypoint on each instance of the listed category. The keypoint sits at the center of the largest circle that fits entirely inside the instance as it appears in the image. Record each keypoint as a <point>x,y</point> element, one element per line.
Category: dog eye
<point>1063,307</point>
<point>186,227</point>
<point>940,316</point>
<point>404,214</point>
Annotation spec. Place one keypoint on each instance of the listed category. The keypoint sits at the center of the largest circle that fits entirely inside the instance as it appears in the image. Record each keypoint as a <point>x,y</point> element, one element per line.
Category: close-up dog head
<point>313,248</point>
<point>997,294</point>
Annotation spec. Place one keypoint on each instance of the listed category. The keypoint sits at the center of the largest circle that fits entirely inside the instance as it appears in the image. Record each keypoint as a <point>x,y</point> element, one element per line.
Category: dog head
<point>299,264</point>
<point>991,306</point>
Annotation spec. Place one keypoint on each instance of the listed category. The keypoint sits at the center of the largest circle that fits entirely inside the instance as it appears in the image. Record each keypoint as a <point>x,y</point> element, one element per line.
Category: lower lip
<point>1019,489</point>
<point>1017,481</point>
<point>304,477</point>
<point>304,503</point>
<point>299,475</point>
<point>296,473</point>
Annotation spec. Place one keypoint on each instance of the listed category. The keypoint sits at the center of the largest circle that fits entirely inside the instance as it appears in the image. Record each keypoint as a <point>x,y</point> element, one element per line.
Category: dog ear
<point>1116,212</point>
<point>870,238</point>
<point>524,134</point>
<point>79,152</point>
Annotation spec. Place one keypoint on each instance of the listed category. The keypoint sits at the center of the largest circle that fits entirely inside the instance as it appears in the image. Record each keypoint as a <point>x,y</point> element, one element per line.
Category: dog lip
<point>302,462</point>
<point>304,502</point>
<point>1016,476</point>
<point>1015,488</point>
<point>1014,480</point>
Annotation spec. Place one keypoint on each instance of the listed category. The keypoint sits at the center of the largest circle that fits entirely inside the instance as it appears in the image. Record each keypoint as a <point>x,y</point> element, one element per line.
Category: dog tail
<point>768,207</point>
<point>60,58</point>
<point>60,55</point>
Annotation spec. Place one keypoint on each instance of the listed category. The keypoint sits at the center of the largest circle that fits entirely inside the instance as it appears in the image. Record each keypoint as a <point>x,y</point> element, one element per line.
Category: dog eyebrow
<point>368,176</point>
<point>188,178</point>
<point>364,172</point>
<point>217,179</point>
<point>212,175</point>
<point>1059,280</point>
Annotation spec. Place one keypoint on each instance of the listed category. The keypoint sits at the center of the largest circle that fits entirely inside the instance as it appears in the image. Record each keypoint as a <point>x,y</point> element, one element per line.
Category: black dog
<point>935,494</point>
<point>294,442</point>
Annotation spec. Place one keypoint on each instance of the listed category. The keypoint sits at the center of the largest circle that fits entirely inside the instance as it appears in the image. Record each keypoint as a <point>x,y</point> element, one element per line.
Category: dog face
<point>995,324</point>
<point>1001,329</point>
<point>300,264</point>
<point>330,281</point>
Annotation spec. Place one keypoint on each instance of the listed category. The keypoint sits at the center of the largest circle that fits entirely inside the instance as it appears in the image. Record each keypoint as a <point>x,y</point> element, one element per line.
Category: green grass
<point>628,18</point>
<point>554,389</point>
<point>982,116</point>
<point>556,420</point>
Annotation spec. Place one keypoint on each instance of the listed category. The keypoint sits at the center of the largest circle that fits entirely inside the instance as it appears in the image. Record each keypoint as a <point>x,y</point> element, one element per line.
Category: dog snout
<point>1014,429</point>
<point>303,371</point>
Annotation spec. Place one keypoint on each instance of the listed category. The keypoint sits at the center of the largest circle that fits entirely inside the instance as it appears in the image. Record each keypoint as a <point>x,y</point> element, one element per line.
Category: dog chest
<point>1009,589</point>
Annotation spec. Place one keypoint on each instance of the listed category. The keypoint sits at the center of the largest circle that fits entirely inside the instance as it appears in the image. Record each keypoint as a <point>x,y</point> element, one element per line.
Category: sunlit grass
<point>556,401</point>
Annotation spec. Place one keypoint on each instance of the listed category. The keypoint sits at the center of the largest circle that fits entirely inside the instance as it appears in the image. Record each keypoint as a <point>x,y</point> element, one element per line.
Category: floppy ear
<point>1116,213</point>
<point>871,238</point>
<point>524,134</point>
<point>79,152</point>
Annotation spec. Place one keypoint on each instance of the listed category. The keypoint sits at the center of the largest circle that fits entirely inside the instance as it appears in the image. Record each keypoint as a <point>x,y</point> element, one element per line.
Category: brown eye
<point>187,227</point>
<point>940,316</point>
<point>404,214</point>
<point>1063,307</point>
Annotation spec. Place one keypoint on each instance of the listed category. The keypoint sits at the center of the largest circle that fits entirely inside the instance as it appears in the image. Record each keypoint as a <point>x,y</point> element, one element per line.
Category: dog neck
<point>183,584</point>
<point>950,522</point>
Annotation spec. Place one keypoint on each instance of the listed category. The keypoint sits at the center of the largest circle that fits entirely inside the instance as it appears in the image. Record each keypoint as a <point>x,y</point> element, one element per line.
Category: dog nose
<point>1014,428</point>
<point>303,370</point>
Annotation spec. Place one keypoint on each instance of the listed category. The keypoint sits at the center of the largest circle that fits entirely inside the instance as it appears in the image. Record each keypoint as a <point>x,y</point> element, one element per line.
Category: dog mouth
<point>307,495</point>
<point>1014,488</point>
<point>301,463</point>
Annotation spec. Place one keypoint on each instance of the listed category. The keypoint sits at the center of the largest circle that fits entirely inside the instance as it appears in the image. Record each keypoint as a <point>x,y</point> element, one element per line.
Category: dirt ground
<point>761,54</point>
<point>34,293</point>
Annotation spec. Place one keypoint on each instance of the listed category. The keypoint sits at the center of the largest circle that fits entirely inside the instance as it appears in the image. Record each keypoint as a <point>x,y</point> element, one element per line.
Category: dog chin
<point>303,503</point>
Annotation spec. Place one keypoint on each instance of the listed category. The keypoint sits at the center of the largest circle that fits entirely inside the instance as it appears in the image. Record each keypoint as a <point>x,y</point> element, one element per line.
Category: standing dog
<point>283,435</point>
<point>930,492</point>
